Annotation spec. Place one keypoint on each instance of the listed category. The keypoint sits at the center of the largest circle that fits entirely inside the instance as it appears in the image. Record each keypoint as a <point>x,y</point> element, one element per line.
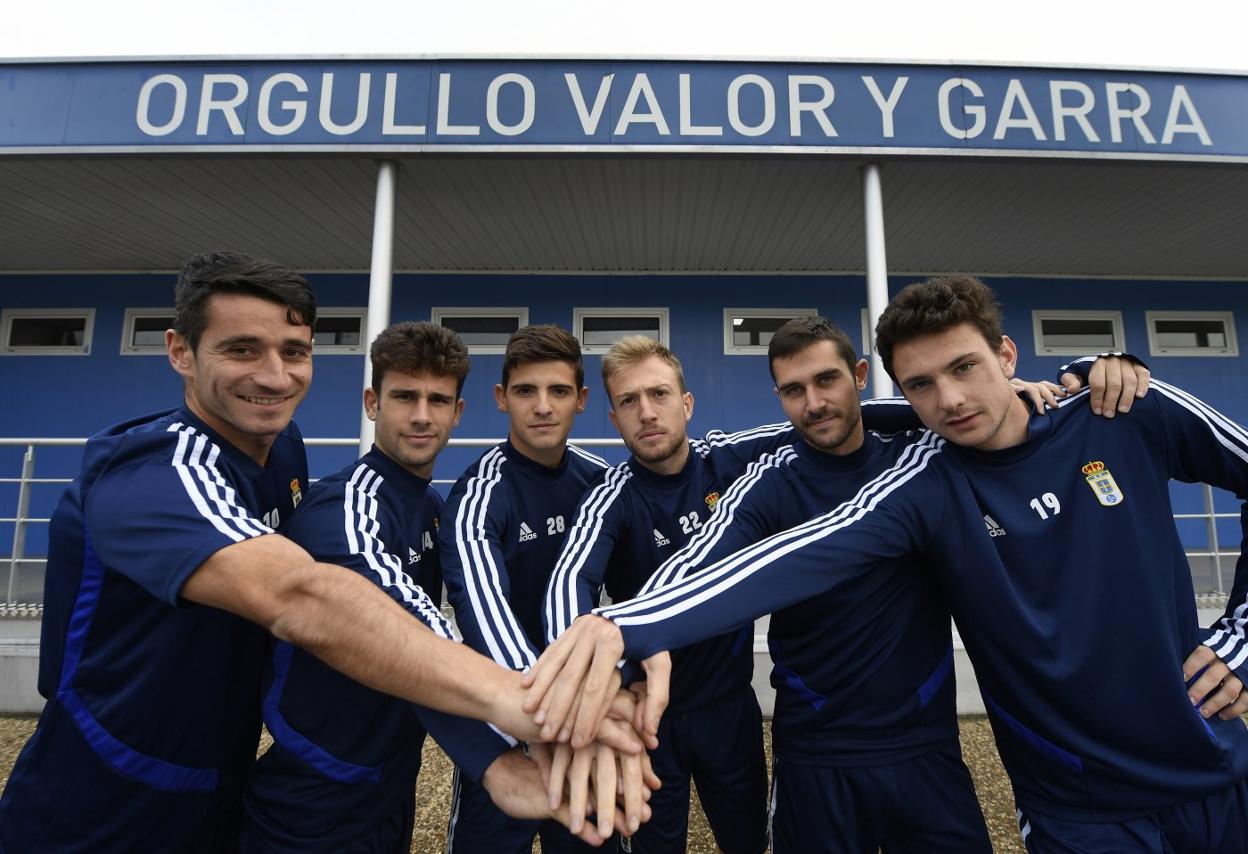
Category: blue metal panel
<point>76,396</point>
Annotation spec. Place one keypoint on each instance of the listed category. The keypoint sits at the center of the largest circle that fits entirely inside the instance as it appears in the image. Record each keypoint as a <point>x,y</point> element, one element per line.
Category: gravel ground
<point>433,789</point>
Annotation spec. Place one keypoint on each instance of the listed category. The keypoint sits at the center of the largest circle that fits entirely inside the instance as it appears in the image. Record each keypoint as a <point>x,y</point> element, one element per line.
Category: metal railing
<point>12,604</point>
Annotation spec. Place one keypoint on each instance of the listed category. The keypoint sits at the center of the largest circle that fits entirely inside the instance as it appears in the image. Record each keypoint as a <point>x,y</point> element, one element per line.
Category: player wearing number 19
<point>502,528</point>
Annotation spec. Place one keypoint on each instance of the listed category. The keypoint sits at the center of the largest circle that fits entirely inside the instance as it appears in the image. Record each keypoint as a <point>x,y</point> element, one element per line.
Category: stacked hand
<point>573,685</point>
<point>1115,382</point>
<point>597,764</point>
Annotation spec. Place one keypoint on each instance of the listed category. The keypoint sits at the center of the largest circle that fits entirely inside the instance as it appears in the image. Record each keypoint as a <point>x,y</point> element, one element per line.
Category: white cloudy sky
<point>1201,34</point>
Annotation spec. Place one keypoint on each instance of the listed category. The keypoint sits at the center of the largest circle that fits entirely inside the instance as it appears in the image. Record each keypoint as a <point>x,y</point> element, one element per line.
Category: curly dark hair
<point>935,305</point>
<point>418,347</point>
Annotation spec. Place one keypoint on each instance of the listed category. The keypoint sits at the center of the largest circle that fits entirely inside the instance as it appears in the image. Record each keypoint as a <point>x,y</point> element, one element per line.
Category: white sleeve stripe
<point>716,438</point>
<point>1224,429</point>
<point>1227,642</point>
<point>694,552</point>
<point>557,605</point>
<point>593,458</point>
<point>726,512</point>
<point>228,494</point>
<point>192,475</point>
<point>724,575</point>
<point>561,590</point>
<point>1231,637</point>
<point>1079,395</point>
<point>511,742</point>
<point>727,572</point>
<point>1238,659</point>
<point>360,515</point>
<point>470,560</point>
<point>1079,361</point>
<point>498,625</point>
<point>215,487</point>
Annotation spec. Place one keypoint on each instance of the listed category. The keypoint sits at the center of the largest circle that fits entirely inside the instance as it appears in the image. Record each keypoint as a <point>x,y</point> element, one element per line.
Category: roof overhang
<point>758,171</point>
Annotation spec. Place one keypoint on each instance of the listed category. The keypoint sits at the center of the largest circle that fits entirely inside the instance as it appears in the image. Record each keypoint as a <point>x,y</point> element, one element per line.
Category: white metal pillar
<point>380,280</point>
<point>877,269</point>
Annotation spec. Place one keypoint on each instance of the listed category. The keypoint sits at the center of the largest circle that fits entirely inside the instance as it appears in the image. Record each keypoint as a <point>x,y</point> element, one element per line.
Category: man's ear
<point>181,356</point>
<point>370,403</point>
<point>500,397</point>
<point>861,370</point>
<point>1008,356</point>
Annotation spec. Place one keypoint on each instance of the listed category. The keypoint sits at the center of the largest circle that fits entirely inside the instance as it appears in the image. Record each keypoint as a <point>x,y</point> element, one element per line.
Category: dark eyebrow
<point>953,363</point>
<point>238,339</point>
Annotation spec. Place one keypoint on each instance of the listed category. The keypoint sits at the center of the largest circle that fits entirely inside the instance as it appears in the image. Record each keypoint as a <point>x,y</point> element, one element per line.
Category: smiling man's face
<point>250,370</point>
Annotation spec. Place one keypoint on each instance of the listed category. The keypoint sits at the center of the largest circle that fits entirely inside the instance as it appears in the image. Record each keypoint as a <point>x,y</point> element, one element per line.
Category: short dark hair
<point>418,347</point>
<point>935,305</point>
<point>204,275</point>
<point>801,332</point>
<point>543,342</point>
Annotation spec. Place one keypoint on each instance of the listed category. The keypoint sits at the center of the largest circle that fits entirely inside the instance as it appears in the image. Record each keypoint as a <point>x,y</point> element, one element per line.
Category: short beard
<point>660,454</point>
<point>849,422</point>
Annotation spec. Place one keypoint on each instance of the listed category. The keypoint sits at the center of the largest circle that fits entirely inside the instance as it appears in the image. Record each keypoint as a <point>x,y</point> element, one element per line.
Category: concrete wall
<point>19,653</point>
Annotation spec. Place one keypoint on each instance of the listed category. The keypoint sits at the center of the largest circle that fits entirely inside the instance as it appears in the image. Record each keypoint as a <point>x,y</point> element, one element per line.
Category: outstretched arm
<point>883,521</point>
<point>351,625</point>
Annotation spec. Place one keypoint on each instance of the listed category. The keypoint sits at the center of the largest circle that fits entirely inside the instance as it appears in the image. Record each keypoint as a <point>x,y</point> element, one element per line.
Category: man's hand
<point>1040,393</point>
<point>573,684</point>
<point>1217,690</point>
<point>507,695</point>
<point>515,785</point>
<point>1116,383</point>
<point>597,775</point>
<point>652,697</point>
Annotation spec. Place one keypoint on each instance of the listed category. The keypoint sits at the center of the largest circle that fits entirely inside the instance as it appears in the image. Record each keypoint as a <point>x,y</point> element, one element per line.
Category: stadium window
<point>339,330</point>
<point>599,328</point>
<point>483,330</point>
<point>1077,333</point>
<point>143,331</point>
<point>748,331</point>
<point>46,331</point>
<point>1191,333</point>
